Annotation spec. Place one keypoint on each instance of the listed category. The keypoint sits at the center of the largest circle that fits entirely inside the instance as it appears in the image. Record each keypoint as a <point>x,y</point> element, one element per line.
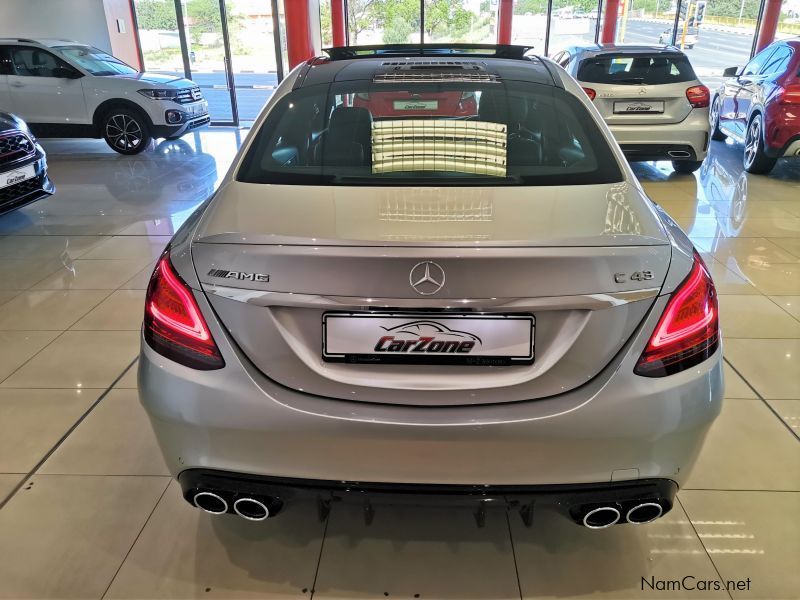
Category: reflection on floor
<point>91,511</point>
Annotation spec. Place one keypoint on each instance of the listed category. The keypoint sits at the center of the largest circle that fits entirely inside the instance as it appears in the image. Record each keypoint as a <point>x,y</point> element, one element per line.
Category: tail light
<point>698,96</point>
<point>790,94</point>
<point>688,331</point>
<point>362,96</point>
<point>591,93</point>
<point>173,324</point>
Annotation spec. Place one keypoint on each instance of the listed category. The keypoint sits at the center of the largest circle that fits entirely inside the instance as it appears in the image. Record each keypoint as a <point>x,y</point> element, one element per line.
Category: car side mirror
<point>66,73</point>
<point>730,72</point>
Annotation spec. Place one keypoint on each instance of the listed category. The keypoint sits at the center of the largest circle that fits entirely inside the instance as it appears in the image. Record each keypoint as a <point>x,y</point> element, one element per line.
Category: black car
<point>23,165</point>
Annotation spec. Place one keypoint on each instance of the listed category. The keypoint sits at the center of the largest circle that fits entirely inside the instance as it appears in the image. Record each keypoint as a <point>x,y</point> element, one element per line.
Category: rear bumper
<point>617,426</point>
<point>790,149</point>
<point>655,142</point>
<point>571,500</point>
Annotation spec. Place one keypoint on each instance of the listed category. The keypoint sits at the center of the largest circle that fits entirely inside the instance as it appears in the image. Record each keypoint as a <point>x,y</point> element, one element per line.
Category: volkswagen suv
<point>483,308</point>
<point>66,89</point>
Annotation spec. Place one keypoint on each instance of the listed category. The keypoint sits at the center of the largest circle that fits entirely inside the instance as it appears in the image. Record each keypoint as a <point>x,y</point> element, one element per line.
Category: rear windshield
<point>451,133</point>
<point>636,69</point>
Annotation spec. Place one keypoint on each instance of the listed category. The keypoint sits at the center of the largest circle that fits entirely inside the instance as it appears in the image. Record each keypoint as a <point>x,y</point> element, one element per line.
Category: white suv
<point>67,89</point>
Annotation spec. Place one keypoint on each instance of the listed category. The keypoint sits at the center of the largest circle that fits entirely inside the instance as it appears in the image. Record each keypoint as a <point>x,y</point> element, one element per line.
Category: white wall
<point>79,20</point>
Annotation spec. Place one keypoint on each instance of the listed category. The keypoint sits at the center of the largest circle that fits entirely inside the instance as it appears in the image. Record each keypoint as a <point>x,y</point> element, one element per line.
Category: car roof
<point>430,62</point>
<point>46,42</point>
<point>597,49</point>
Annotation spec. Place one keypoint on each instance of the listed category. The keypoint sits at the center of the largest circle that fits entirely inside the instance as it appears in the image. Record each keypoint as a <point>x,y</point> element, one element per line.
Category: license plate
<point>465,339</point>
<point>639,106</point>
<point>200,109</point>
<point>17,175</point>
<point>416,104</point>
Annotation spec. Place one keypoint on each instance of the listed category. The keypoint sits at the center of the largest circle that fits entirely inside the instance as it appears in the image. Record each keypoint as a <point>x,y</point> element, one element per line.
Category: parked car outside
<point>759,106</point>
<point>23,165</point>
<point>488,309</point>
<point>67,89</point>
<point>649,96</point>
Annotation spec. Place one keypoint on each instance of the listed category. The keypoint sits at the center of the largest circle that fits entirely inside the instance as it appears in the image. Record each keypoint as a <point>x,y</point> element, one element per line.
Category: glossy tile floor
<point>90,510</point>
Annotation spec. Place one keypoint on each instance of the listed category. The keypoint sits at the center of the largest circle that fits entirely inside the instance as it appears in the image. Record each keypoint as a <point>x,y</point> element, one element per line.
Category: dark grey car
<point>23,165</point>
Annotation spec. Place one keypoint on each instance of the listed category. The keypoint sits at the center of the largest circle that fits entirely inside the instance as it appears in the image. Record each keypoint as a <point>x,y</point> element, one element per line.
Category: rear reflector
<point>698,96</point>
<point>790,94</point>
<point>173,324</point>
<point>590,92</point>
<point>688,331</point>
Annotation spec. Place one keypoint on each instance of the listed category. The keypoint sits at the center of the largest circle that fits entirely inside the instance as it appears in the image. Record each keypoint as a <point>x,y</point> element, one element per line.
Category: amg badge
<point>241,275</point>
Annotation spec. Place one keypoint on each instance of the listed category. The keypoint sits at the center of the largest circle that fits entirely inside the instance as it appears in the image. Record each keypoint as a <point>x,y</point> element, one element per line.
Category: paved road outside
<point>715,51</point>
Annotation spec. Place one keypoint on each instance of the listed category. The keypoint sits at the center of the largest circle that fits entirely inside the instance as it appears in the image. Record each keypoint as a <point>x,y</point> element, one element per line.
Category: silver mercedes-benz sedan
<point>468,298</point>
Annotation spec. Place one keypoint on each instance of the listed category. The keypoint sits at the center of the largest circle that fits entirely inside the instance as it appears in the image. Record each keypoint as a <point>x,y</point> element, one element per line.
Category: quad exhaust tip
<point>601,517</point>
<point>211,503</point>
<point>251,509</point>
<point>644,513</point>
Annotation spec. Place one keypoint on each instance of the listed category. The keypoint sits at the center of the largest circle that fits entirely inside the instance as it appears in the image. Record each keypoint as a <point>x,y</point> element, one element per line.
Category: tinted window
<point>6,68</point>
<point>365,133</point>
<point>778,62</point>
<point>35,62</point>
<point>636,69</point>
<point>95,61</point>
<point>758,61</point>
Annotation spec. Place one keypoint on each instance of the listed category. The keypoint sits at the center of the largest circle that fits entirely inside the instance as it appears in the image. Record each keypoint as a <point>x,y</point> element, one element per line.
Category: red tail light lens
<point>698,96</point>
<point>688,331</point>
<point>790,94</point>
<point>591,93</point>
<point>173,324</point>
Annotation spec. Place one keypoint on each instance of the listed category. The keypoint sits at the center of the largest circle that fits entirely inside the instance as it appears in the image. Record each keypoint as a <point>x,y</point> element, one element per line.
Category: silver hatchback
<point>650,97</point>
<point>468,297</point>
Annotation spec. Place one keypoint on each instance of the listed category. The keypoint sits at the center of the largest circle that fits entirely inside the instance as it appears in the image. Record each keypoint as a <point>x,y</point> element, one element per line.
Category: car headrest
<point>353,122</point>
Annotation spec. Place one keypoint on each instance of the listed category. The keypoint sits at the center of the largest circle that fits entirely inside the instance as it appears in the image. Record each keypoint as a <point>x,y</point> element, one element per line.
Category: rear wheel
<point>126,131</point>
<point>713,117</point>
<point>755,159</point>
<point>686,166</point>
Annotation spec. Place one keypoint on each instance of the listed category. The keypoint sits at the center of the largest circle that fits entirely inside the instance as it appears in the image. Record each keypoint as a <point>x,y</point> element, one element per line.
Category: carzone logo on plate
<point>426,337</point>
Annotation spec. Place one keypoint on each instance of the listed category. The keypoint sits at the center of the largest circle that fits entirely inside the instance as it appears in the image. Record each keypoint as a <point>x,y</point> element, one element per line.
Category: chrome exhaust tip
<point>601,517</point>
<point>251,509</point>
<point>644,513</point>
<point>210,502</point>
<point>679,153</point>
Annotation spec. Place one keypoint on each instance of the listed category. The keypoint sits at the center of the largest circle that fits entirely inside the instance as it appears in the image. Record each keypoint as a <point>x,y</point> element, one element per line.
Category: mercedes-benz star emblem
<point>426,278</point>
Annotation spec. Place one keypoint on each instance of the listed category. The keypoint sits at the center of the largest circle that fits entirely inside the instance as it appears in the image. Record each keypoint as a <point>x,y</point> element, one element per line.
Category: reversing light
<point>688,331</point>
<point>591,93</point>
<point>173,324</point>
<point>698,96</point>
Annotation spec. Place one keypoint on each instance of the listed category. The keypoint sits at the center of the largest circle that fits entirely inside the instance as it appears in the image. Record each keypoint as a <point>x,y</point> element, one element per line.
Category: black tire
<point>713,117</point>
<point>126,131</point>
<point>686,166</point>
<point>755,159</point>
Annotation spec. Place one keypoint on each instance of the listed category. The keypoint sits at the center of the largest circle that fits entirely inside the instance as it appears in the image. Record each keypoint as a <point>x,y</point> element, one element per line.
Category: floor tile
<point>735,386</point>
<point>22,274</point>
<point>747,536</point>
<point>728,282</point>
<point>789,411</point>
<point>115,439</point>
<point>140,280</point>
<point>6,295</point>
<point>8,481</point>
<point>757,252</point>
<point>129,247</point>
<point>48,309</point>
<point>79,359</point>
<point>129,380</point>
<point>790,304</point>
<point>772,367</point>
<point>755,317</point>
<point>186,553</point>
<point>47,247</point>
<point>558,559</point>
<point>407,550</point>
<point>92,275</point>
<point>791,245</point>
<point>122,310</point>
<point>17,347</point>
<point>33,421</point>
<point>775,279</point>
<point>65,536</point>
<point>725,463</point>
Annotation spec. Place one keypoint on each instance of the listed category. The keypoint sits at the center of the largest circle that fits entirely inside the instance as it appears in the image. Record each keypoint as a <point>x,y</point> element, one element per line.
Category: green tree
<point>446,20</point>
<point>156,14</point>
<point>361,16</point>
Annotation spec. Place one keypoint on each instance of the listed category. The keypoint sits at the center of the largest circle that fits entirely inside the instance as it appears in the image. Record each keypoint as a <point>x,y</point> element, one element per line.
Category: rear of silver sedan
<point>528,329</point>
